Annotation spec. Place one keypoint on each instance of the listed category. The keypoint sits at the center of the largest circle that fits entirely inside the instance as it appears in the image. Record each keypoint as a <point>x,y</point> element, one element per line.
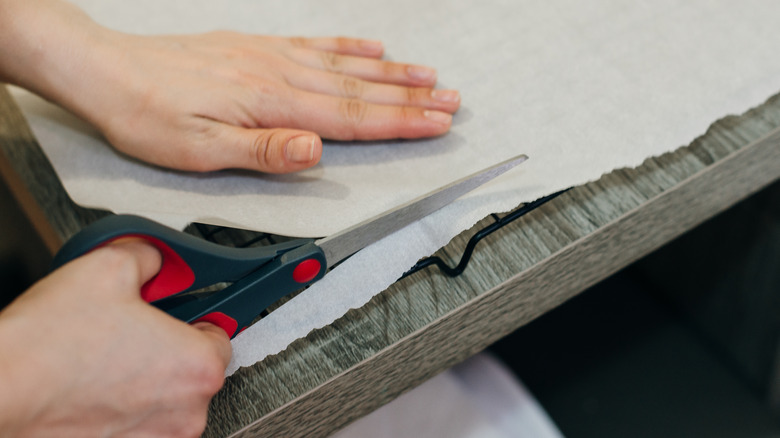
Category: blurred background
<point>683,343</point>
<point>23,257</point>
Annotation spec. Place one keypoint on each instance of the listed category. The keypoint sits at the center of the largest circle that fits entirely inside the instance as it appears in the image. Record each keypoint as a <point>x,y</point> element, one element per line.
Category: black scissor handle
<point>238,305</point>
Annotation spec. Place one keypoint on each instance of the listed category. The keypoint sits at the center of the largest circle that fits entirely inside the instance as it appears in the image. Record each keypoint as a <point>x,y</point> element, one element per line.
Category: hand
<point>222,99</point>
<point>83,355</point>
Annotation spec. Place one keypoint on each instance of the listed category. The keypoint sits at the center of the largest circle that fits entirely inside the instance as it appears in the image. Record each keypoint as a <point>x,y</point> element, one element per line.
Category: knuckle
<point>351,88</point>
<point>258,149</point>
<point>190,153</point>
<point>353,111</point>
<point>117,266</point>
<point>299,42</point>
<point>331,61</point>
<point>116,260</point>
<point>407,114</point>
<point>391,69</point>
<point>268,149</point>
<point>417,96</point>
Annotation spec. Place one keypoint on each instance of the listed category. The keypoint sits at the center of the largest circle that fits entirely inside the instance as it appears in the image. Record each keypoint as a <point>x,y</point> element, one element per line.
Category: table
<point>428,322</point>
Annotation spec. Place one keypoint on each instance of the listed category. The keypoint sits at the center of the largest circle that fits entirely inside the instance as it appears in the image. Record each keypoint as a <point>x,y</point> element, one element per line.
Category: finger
<point>342,45</point>
<point>128,263</point>
<point>218,339</point>
<point>122,266</point>
<point>364,68</point>
<point>146,256</point>
<point>354,119</point>
<point>349,87</point>
<point>265,150</point>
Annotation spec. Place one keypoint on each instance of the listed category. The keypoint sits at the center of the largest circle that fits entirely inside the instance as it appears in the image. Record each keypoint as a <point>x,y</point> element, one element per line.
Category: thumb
<point>142,255</point>
<point>218,339</point>
<point>269,150</point>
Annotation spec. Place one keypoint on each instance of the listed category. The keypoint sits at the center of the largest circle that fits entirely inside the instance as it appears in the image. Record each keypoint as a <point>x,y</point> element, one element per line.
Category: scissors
<point>259,276</point>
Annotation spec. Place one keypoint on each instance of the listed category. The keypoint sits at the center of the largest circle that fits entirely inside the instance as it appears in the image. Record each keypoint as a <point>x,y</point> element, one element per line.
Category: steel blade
<point>345,243</point>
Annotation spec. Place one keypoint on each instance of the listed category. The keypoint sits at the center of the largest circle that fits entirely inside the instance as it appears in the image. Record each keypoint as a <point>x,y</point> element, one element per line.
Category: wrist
<point>47,46</point>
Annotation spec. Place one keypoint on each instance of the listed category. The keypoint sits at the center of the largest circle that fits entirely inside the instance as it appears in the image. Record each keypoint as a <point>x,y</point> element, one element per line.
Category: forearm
<point>48,47</point>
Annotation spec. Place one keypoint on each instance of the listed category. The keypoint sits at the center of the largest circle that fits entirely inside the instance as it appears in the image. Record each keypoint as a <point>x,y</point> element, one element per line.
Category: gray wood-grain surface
<point>427,322</point>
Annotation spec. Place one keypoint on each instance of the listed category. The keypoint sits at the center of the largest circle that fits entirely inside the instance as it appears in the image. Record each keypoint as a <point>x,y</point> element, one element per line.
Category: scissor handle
<point>189,263</point>
<point>237,306</point>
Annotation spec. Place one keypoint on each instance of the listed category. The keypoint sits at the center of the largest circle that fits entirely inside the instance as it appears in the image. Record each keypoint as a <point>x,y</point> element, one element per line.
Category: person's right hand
<point>83,355</point>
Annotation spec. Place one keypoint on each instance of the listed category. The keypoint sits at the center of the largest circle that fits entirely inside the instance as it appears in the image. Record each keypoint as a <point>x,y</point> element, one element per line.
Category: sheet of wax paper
<point>581,87</point>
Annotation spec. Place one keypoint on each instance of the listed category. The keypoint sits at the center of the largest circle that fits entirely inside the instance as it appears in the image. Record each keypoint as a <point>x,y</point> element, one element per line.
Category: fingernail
<point>371,45</point>
<point>420,73</point>
<point>300,149</point>
<point>445,95</point>
<point>438,117</point>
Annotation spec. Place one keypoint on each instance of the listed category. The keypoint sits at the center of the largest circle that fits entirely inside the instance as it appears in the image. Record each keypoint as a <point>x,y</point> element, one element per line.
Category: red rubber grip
<point>219,319</point>
<point>175,274</point>
<point>306,270</point>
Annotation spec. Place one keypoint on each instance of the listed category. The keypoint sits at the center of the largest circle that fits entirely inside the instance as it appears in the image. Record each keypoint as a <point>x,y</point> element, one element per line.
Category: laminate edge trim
<point>31,209</point>
<point>525,296</point>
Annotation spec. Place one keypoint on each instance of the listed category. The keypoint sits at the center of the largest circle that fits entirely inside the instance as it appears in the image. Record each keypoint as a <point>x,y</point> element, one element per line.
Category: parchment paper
<point>581,87</point>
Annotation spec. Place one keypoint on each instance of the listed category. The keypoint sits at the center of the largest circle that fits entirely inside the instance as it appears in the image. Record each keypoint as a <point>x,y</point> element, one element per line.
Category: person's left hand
<point>230,100</point>
<point>221,99</point>
<point>225,99</point>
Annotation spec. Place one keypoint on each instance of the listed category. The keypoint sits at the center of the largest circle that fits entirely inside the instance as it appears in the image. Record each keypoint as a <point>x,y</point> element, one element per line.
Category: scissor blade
<point>345,243</point>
